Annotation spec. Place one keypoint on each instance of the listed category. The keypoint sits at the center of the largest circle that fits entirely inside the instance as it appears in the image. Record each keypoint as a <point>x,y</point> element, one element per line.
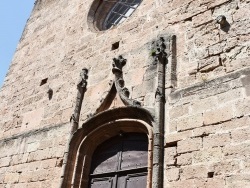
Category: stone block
<point>232,152</point>
<point>43,144</point>
<point>245,80</point>
<point>169,156</point>
<point>32,146</point>
<point>206,130</point>
<point>209,182</point>
<point>39,155</point>
<point>209,64</point>
<point>34,185</point>
<point>50,163</point>
<point>189,144</point>
<point>32,119</point>
<point>238,63</point>
<point>203,105</point>
<point>189,122</point>
<point>178,111</point>
<point>235,123</point>
<point>246,165</point>
<point>216,48</point>
<point>20,185</point>
<point>5,161</point>
<point>216,140</point>
<point>33,166</point>
<point>230,95</point>
<point>241,14</point>
<point>171,126</point>
<point>185,159</point>
<point>39,175</point>
<point>11,178</point>
<point>226,167</point>
<point>192,172</point>
<point>180,184</point>
<point>56,152</point>
<point>173,137</point>
<point>199,19</point>
<point>238,180</point>
<point>208,155</point>
<point>25,177</point>
<point>247,90</point>
<point>18,159</point>
<point>219,115</point>
<point>240,135</point>
<point>242,107</point>
<point>172,174</point>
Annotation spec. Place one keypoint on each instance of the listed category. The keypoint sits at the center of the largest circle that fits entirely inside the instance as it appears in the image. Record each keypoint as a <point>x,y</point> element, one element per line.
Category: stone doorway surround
<point>98,129</point>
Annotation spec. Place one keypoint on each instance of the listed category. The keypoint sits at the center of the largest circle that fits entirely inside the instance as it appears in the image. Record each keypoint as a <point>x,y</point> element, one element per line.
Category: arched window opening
<point>120,162</point>
<point>108,13</point>
<point>120,11</point>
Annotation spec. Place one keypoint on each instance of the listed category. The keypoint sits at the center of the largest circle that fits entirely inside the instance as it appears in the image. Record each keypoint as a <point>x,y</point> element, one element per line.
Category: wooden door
<point>120,162</point>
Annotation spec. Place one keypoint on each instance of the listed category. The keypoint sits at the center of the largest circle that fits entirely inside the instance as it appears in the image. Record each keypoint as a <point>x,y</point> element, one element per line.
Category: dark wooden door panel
<point>134,155</point>
<point>124,158</point>
<point>136,181</point>
<point>101,183</point>
<point>106,159</point>
<point>108,162</point>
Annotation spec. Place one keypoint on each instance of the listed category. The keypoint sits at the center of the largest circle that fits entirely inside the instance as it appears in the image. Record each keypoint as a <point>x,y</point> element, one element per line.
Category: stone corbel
<point>124,93</point>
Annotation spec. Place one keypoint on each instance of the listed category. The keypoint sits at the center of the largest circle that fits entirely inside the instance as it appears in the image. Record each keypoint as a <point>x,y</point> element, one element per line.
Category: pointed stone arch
<point>95,131</point>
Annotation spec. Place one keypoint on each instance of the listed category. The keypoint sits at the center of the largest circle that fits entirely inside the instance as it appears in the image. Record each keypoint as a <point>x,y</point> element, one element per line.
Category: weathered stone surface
<point>169,157</point>
<point>207,88</point>
<point>185,159</point>
<point>173,137</point>
<point>189,144</point>
<point>216,140</point>
<point>189,122</point>
<point>242,107</point>
<point>191,172</point>
<point>172,174</point>
<point>5,161</point>
<point>208,155</point>
<point>218,115</point>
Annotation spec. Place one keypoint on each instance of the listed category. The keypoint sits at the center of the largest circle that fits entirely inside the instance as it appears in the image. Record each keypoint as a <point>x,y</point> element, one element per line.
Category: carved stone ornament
<point>117,64</point>
<point>83,79</point>
<point>160,53</point>
<point>82,87</point>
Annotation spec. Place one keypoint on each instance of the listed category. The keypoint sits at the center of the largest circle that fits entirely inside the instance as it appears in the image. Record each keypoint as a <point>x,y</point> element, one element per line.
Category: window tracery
<point>105,14</point>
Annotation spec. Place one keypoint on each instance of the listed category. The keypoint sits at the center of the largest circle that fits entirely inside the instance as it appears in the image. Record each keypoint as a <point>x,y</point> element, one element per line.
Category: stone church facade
<point>159,100</point>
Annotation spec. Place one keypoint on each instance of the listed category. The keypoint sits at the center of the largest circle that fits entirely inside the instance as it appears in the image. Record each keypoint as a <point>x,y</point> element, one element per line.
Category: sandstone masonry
<point>206,110</point>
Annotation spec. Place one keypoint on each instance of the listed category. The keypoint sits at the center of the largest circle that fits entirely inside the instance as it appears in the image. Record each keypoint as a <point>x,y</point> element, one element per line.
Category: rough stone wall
<point>57,43</point>
<point>33,159</point>
<point>207,141</point>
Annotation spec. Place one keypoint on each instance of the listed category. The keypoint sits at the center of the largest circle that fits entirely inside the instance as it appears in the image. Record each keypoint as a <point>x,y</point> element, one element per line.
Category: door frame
<point>95,131</point>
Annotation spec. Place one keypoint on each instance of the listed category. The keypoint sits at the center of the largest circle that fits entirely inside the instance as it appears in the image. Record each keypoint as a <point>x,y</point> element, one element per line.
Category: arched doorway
<point>96,131</point>
<point>120,162</point>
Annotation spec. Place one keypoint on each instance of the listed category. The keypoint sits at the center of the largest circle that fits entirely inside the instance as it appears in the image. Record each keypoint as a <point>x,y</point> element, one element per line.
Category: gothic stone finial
<point>118,63</point>
<point>83,78</point>
<point>160,53</point>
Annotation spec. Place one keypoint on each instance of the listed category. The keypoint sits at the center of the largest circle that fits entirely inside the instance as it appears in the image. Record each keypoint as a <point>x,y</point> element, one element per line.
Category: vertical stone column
<point>161,59</point>
<point>81,87</point>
